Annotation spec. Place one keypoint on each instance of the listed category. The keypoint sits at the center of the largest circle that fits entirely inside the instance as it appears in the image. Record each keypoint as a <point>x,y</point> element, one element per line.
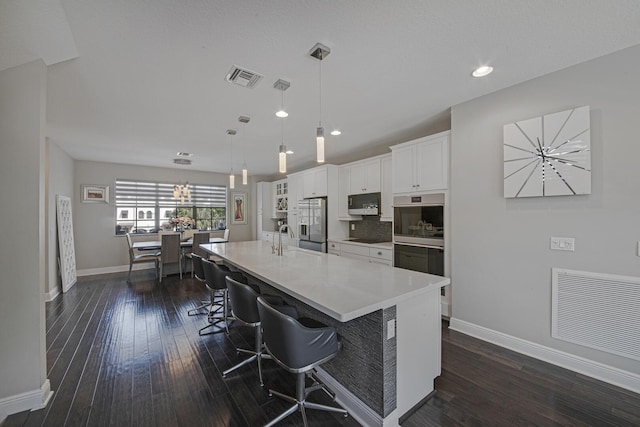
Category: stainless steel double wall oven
<point>418,233</point>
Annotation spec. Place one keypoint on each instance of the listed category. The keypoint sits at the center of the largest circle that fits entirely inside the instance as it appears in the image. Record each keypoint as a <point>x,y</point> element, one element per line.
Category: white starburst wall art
<point>548,155</point>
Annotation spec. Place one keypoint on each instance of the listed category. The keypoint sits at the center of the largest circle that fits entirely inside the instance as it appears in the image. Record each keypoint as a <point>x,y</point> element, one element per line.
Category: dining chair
<point>226,235</point>
<point>170,252</point>
<point>198,239</point>
<point>136,257</point>
<point>188,233</point>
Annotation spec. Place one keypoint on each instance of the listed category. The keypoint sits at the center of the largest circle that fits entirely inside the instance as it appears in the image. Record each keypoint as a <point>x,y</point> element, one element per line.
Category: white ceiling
<point>149,79</point>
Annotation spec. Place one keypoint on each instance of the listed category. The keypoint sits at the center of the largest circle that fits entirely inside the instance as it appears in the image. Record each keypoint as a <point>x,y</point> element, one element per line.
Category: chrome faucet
<point>278,250</point>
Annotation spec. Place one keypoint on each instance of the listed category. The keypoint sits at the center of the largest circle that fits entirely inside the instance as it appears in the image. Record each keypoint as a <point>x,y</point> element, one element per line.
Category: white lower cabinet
<point>333,248</point>
<point>365,253</point>
<point>381,256</point>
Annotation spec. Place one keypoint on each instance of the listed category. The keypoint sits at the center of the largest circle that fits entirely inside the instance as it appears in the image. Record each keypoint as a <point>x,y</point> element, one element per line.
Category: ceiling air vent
<point>243,77</point>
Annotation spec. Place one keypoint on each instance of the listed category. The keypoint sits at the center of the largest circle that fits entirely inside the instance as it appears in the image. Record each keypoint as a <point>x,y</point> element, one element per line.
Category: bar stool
<point>198,272</point>
<point>215,281</point>
<point>299,346</point>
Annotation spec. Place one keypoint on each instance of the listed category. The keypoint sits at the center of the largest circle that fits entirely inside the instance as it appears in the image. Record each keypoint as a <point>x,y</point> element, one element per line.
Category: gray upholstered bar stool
<point>198,272</point>
<point>244,307</point>
<point>298,349</point>
<point>245,310</point>
<point>215,281</point>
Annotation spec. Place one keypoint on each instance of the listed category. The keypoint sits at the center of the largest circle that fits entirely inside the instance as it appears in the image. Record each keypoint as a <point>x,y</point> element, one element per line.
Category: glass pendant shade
<point>244,174</point>
<point>282,159</point>
<point>320,145</point>
<point>232,181</point>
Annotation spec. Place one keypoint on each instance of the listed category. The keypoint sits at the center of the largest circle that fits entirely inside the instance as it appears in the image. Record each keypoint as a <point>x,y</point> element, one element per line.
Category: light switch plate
<point>562,244</point>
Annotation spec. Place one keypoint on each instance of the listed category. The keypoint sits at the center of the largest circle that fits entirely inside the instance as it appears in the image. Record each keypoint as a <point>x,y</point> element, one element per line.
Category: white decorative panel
<point>600,311</point>
<point>548,155</point>
<point>67,261</point>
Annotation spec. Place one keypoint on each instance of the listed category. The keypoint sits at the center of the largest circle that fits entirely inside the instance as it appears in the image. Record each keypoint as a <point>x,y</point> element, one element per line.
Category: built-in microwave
<point>419,219</point>
<point>363,204</point>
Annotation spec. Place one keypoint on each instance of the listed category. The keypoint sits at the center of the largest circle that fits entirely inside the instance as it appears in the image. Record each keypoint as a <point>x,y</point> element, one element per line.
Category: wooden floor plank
<point>128,354</point>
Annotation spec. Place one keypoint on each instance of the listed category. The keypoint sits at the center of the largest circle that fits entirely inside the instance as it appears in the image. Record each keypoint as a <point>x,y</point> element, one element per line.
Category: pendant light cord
<point>320,86</point>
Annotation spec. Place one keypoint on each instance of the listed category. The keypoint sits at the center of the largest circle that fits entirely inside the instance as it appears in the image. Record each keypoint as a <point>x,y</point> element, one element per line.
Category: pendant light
<point>282,85</point>
<point>245,172</point>
<point>320,51</point>
<point>232,178</point>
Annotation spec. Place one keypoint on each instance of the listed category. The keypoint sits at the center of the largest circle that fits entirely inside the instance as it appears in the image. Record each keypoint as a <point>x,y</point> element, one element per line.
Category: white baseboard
<point>356,407</point>
<point>50,296</point>
<point>30,400</point>
<point>114,269</point>
<point>600,371</point>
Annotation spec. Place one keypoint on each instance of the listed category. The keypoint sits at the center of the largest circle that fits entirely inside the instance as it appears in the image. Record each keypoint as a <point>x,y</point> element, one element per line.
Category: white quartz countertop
<point>337,286</point>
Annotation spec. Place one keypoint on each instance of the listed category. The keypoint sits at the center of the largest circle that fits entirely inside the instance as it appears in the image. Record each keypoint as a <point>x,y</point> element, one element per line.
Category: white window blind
<point>144,193</point>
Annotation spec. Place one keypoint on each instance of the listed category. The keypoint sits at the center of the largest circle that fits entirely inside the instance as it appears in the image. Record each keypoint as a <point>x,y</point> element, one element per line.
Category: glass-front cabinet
<point>281,196</point>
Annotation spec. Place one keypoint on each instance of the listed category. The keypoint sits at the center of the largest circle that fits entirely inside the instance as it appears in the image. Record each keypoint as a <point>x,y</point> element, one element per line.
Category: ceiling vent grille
<point>243,77</point>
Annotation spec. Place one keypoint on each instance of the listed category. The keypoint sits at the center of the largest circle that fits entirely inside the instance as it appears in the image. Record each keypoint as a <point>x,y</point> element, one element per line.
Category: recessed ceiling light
<point>184,154</point>
<point>289,151</point>
<point>482,71</point>
<point>335,132</point>
<point>282,113</point>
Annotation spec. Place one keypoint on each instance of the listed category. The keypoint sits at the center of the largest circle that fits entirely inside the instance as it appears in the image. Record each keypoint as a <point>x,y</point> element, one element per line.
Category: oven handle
<point>420,246</point>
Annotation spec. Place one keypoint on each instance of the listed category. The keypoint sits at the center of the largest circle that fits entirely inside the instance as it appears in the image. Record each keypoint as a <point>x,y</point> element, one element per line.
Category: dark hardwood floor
<point>124,354</point>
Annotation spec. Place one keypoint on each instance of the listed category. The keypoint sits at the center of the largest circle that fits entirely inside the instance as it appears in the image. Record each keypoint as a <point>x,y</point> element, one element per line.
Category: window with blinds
<point>149,207</point>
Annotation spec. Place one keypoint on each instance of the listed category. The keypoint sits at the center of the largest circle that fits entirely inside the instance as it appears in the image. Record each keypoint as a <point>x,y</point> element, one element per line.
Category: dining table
<point>151,245</point>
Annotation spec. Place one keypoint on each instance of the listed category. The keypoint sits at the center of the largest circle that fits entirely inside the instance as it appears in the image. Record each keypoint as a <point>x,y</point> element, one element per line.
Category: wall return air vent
<point>243,77</point>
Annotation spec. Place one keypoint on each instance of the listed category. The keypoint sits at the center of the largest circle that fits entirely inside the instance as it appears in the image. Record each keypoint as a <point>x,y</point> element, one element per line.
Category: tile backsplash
<point>370,228</point>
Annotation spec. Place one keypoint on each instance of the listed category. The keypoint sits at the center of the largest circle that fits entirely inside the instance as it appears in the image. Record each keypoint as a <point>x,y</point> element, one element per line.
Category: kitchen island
<point>389,320</point>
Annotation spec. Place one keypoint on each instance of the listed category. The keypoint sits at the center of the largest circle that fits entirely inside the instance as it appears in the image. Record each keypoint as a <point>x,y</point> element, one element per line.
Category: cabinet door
<point>344,174</point>
<point>295,187</point>
<point>321,183</point>
<point>386,196</point>
<point>365,177</point>
<point>315,183</point>
<point>404,169</point>
<point>357,178</point>
<point>433,160</point>
<point>372,176</point>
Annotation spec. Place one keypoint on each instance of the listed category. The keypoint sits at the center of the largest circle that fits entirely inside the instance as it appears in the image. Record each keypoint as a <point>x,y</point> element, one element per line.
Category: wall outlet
<point>353,227</point>
<point>563,244</point>
<point>391,329</point>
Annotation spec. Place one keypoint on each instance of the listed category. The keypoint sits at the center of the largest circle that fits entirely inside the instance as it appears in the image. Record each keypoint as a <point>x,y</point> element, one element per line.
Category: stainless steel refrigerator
<point>312,224</point>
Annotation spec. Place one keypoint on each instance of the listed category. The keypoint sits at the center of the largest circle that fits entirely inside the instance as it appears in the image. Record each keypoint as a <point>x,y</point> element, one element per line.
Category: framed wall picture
<point>238,208</point>
<point>95,194</point>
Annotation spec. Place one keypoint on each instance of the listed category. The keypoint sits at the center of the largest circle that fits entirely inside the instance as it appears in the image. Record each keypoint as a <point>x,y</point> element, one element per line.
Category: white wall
<point>97,247</point>
<point>22,321</point>
<point>59,182</point>
<point>501,261</point>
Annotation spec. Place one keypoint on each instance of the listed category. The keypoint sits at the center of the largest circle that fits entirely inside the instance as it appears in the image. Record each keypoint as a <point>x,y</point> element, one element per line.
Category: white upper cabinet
<point>280,193</point>
<point>386,196</point>
<point>314,183</point>
<point>421,165</point>
<point>365,177</point>
<point>344,174</point>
